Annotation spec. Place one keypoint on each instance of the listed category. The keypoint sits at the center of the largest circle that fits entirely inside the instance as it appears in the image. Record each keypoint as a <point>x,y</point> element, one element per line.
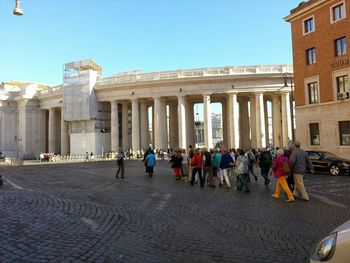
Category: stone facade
<point>321,33</point>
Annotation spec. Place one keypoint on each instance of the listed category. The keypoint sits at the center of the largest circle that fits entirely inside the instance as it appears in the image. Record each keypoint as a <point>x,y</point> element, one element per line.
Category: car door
<point>317,161</point>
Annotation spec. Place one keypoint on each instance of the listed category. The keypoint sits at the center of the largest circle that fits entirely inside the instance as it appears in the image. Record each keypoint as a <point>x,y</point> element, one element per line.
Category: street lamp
<point>289,77</point>
<point>18,10</point>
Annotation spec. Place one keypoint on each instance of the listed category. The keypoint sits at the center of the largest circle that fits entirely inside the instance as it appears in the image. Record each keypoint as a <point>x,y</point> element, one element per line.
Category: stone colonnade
<point>243,126</point>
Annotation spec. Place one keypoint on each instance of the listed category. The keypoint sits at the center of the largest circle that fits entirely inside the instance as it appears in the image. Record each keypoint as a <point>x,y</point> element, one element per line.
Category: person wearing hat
<point>300,163</point>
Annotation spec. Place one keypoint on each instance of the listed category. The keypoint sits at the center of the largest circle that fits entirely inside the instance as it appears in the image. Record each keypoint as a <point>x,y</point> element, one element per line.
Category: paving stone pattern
<point>82,213</point>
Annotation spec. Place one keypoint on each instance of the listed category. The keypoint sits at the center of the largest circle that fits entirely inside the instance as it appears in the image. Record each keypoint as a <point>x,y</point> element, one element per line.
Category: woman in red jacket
<point>281,168</point>
<point>197,164</point>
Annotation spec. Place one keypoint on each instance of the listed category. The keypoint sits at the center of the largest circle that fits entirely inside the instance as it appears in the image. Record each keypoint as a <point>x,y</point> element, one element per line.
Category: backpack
<point>285,168</point>
<point>150,160</point>
<point>266,159</point>
<point>251,157</point>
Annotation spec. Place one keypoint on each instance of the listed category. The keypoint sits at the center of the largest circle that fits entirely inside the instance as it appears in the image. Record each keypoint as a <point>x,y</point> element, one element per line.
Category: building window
<point>340,46</point>
<point>313,92</point>
<point>342,87</point>
<point>311,56</point>
<point>338,12</point>
<point>344,132</point>
<point>314,134</point>
<point>309,25</point>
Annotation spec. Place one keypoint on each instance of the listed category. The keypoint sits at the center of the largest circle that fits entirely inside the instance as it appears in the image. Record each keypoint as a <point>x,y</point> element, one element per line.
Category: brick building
<point>321,57</point>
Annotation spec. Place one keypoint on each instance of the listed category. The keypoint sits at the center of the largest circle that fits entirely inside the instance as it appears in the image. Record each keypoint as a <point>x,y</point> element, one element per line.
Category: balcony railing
<point>193,73</point>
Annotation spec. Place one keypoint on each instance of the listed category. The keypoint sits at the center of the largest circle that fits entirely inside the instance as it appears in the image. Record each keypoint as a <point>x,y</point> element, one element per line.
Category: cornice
<point>307,9</point>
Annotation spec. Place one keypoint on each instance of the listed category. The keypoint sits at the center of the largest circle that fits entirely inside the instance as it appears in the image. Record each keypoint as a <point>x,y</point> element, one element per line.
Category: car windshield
<point>328,155</point>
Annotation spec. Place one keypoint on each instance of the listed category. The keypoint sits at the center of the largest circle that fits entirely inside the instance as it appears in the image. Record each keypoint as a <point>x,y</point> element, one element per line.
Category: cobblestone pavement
<point>82,213</point>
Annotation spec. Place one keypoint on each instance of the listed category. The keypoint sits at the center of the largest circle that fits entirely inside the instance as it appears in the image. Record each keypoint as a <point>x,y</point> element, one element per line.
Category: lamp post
<point>17,10</point>
<point>288,77</point>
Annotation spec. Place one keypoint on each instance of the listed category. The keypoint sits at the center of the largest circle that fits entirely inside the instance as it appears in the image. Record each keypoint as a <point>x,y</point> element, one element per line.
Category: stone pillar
<point>173,123</point>
<point>64,136</point>
<point>158,138</point>
<point>135,125</point>
<point>190,123</point>
<point>144,125</point>
<point>276,121</point>
<point>182,122</point>
<point>208,130</point>
<point>125,125</point>
<point>260,120</point>
<point>233,115</point>
<point>225,125</point>
<point>52,131</point>
<point>253,132</point>
<point>244,123</point>
<point>267,134</point>
<point>164,125</point>
<point>114,126</point>
<point>286,119</point>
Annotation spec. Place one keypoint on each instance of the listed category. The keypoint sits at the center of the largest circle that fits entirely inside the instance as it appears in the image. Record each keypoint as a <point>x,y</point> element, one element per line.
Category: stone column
<point>267,134</point>
<point>164,125</point>
<point>253,132</point>
<point>135,125</point>
<point>125,125</point>
<point>260,120</point>
<point>244,123</point>
<point>190,123</point>
<point>64,136</point>
<point>114,126</point>
<point>225,125</point>
<point>52,130</point>
<point>208,130</point>
<point>182,122</point>
<point>158,138</point>
<point>233,112</point>
<point>286,119</point>
<point>276,121</point>
<point>144,124</point>
<point>173,123</point>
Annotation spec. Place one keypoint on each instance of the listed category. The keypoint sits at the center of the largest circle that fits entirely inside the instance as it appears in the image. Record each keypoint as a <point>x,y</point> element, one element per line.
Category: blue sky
<point>152,35</point>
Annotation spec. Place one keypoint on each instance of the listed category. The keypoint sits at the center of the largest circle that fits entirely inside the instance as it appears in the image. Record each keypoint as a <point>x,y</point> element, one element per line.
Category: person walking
<point>150,162</point>
<point>184,164</point>
<point>290,179</point>
<point>281,167</point>
<point>265,162</point>
<point>190,156</point>
<point>250,155</point>
<point>242,170</point>
<point>208,167</point>
<point>176,161</point>
<point>300,163</point>
<point>216,166</point>
<point>226,163</point>
<point>120,163</point>
<point>196,164</point>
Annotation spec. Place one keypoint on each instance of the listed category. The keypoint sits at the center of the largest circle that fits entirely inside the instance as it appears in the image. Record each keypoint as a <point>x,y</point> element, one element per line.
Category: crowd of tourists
<point>215,167</point>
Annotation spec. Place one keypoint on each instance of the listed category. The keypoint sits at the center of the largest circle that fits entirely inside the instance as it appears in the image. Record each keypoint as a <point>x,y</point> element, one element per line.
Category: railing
<point>193,73</point>
<point>50,90</point>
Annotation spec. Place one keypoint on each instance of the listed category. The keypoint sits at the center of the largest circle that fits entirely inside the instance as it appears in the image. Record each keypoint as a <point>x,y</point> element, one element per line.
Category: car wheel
<point>334,170</point>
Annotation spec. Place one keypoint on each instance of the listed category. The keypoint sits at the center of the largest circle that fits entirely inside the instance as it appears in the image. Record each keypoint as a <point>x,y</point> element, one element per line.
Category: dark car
<point>329,162</point>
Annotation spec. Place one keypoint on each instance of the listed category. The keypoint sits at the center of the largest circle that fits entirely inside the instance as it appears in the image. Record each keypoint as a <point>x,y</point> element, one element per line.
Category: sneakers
<point>290,200</point>
<point>275,197</point>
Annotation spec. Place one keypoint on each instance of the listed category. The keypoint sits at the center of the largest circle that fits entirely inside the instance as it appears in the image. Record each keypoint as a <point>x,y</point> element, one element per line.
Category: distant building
<point>321,34</point>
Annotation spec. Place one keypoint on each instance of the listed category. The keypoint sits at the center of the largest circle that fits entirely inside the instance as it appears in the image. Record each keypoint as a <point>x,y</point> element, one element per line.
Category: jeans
<point>120,169</point>
<point>265,174</point>
<point>201,179</point>
<point>242,183</point>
